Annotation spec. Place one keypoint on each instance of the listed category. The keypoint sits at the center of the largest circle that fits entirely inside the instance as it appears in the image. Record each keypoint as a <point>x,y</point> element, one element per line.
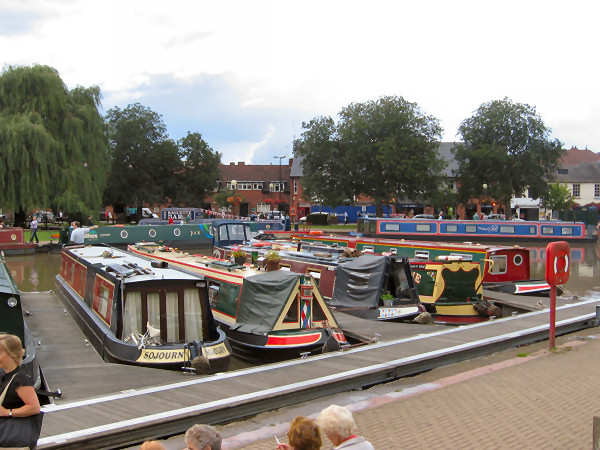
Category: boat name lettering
<point>216,350</point>
<point>196,233</point>
<point>417,277</point>
<point>491,228</point>
<point>162,355</point>
<point>91,236</point>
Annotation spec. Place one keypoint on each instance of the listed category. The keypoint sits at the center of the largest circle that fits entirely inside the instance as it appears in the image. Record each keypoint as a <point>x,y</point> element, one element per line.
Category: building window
<point>257,186</point>
<point>597,191</point>
<point>263,207</point>
<point>576,190</point>
<point>296,186</point>
<point>276,187</point>
<point>244,186</point>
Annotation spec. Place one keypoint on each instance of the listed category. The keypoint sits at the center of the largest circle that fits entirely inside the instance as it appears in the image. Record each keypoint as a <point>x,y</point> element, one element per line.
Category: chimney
<point>241,163</point>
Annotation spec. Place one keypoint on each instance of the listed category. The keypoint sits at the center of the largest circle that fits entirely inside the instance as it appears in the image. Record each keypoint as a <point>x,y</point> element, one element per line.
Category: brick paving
<point>547,400</point>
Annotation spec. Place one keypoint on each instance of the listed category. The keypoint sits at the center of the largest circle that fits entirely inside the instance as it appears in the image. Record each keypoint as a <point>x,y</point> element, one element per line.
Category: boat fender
<point>331,344</point>
<point>199,362</point>
<point>159,264</point>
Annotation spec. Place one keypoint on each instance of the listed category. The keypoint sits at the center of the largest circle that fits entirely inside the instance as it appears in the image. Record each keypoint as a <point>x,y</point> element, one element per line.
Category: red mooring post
<point>557,272</point>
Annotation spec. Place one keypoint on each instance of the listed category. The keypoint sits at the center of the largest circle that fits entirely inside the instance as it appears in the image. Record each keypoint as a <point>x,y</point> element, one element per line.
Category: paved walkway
<point>523,398</point>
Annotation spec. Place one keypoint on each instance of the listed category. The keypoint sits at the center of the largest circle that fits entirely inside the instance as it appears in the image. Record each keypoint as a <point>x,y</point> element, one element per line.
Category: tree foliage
<point>558,197</point>
<point>200,170</point>
<point>383,149</point>
<point>144,162</point>
<point>506,148</point>
<point>53,151</point>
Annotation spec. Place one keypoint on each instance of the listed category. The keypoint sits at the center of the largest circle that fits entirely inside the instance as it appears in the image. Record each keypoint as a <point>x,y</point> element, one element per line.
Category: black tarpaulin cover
<point>262,300</point>
<point>358,283</point>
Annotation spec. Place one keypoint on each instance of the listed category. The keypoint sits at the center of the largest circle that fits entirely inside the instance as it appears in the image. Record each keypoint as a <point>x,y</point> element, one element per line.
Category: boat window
<point>452,228</point>
<point>318,315</point>
<point>499,264</point>
<point>193,314</point>
<point>368,249</point>
<point>392,227</point>
<point>285,267</point>
<point>425,227</point>
<point>292,313</point>
<point>172,304</point>
<point>507,229</point>
<point>236,232</point>
<point>422,254</point>
<point>153,300</point>
<point>566,230</point>
<point>103,302</point>
<point>132,314</point>
<point>470,228</point>
<point>518,260</point>
<point>547,230</point>
<point>316,274</point>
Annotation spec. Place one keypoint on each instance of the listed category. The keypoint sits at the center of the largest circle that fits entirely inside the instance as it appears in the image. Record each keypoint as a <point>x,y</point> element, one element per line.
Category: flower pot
<point>272,265</point>
<point>240,260</point>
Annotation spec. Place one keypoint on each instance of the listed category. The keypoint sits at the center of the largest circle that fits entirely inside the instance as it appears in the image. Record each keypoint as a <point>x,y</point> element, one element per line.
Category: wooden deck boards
<point>182,400</point>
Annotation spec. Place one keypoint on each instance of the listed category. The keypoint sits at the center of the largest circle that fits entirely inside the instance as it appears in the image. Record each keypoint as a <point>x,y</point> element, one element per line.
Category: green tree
<point>383,149</point>
<point>200,171</point>
<point>53,150</point>
<point>144,161</point>
<point>506,150</point>
<point>558,197</point>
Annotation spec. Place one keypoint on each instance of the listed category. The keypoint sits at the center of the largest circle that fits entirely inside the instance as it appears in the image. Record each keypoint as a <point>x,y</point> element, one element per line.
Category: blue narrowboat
<point>474,230</point>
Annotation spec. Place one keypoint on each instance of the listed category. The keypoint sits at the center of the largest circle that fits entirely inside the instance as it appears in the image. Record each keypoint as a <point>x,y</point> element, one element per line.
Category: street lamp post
<point>233,187</point>
<point>280,158</point>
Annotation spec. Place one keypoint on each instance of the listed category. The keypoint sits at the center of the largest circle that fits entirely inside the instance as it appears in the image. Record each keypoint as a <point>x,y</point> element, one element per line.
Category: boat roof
<point>7,284</point>
<point>132,268</point>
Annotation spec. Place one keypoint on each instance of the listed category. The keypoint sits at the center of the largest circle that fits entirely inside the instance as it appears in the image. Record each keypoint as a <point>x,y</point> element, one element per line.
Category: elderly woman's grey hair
<point>337,419</point>
<point>203,435</point>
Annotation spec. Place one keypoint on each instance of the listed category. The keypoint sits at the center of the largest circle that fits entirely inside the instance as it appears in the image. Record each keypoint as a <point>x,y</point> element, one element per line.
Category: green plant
<point>238,253</point>
<point>272,255</point>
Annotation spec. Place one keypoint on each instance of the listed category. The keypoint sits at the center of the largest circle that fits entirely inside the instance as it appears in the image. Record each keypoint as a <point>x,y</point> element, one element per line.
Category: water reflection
<point>37,272</point>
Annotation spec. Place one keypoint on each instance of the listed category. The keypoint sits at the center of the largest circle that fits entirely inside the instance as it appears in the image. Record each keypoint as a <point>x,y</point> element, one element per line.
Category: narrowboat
<point>505,268</point>
<point>12,242</point>
<point>377,288</point>
<point>267,316</point>
<point>12,321</point>
<point>135,311</point>
<point>475,230</point>
<point>452,293</point>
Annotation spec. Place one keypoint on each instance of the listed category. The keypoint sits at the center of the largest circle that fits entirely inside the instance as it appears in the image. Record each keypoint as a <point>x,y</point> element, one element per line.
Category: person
<point>2,224</point>
<point>441,215</point>
<point>171,221</point>
<point>340,428</point>
<point>346,217</point>
<point>34,227</point>
<point>475,216</point>
<point>90,221</point>
<point>203,437</point>
<point>303,434</point>
<point>152,445</point>
<point>78,233</point>
<point>21,399</point>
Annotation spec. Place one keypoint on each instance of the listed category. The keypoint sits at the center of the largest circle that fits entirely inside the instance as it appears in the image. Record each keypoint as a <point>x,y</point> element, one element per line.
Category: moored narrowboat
<point>267,316</point>
<point>475,230</point>
<point>12,242</point>
<point>139,313</point>
<point>12,321</point>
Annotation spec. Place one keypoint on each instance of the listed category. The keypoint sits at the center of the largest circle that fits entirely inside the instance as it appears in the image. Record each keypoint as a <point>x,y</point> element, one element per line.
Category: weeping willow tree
<point>53,149</point>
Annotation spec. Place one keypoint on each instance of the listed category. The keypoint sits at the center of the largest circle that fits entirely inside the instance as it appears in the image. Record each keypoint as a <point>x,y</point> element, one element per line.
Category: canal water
<point>36,273</point>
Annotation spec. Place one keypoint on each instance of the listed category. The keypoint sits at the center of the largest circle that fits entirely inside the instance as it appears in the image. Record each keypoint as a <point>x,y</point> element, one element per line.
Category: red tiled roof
<point>575,156</point>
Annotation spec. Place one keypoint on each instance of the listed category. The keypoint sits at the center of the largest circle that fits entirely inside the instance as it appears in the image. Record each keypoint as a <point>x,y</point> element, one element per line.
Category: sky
<point>247,74</point>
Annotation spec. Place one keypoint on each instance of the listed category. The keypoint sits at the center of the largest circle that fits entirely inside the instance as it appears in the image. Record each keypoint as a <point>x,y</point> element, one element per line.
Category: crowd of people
<point>335,422</point>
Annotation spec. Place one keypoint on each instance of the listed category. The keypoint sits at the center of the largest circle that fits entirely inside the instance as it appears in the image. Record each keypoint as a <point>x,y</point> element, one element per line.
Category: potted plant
<point>239,256</point>
<point>387,299</point>
<point>272,258</point>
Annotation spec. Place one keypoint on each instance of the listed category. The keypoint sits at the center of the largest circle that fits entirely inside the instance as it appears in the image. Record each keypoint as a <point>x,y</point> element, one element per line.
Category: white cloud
<point>311,58</point>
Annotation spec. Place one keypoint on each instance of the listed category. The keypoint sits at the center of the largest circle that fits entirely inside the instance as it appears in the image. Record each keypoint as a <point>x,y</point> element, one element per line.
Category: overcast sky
<point>246,74</point>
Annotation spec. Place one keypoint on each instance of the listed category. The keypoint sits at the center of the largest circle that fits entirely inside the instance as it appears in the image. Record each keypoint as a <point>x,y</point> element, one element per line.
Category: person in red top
<point>171,221</point>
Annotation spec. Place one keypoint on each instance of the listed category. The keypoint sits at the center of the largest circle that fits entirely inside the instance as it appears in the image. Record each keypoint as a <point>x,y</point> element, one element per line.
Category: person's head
<point>304,434</point>
<point>152,445</point>
<point>11,350</point>
<point>203,437</point>
<point>76,224</point>
<point>337,423</point>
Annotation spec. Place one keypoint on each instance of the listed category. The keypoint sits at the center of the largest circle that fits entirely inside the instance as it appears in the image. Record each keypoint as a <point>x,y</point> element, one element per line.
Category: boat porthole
<point>12,302</point>
<point>152,232</point>
<point>124,234</point>
<point>518,260</point>
<point>177,232</point>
